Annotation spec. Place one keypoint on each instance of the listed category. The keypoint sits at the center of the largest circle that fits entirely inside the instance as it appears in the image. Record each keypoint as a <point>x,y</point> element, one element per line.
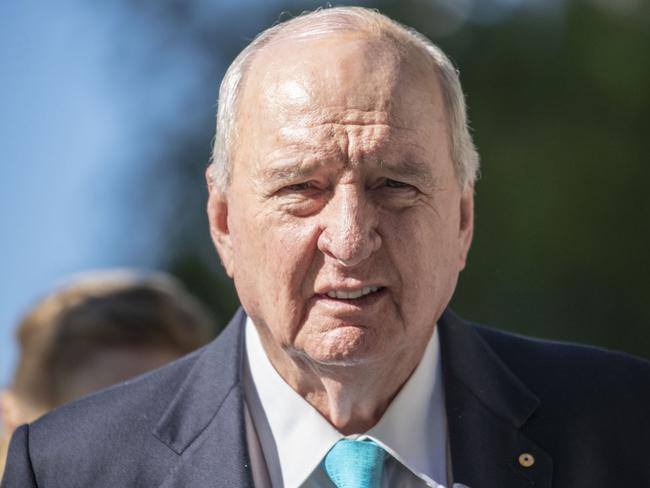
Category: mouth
<point>354,297</point>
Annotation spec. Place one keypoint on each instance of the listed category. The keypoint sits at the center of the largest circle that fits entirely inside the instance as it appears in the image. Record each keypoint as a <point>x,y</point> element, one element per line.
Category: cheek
<point>274,261</point>
<point>296,267</point>
<point>423,249</point>
<point>252,252</point>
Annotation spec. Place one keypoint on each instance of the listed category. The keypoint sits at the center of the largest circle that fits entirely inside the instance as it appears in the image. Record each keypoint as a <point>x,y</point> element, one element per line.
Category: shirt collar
<point>412,428</point>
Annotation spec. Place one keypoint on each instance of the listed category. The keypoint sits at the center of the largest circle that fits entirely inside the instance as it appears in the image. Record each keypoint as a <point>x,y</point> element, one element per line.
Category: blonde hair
<point>99,311</point>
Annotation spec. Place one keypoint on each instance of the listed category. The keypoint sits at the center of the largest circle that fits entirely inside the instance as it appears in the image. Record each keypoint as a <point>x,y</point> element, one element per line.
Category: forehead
<point>343,69</point>
<point>344,82</point>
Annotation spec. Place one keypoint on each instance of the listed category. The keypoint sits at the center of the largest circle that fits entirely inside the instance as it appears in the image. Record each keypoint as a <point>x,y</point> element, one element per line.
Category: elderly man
<point>341,204</point>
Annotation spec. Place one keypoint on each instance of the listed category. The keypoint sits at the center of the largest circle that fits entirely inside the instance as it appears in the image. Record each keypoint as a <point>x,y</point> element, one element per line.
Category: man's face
<point>344,227</point>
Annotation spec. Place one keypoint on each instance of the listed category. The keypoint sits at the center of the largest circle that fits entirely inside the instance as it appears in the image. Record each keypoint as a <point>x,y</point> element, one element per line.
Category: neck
<point>353,398</point>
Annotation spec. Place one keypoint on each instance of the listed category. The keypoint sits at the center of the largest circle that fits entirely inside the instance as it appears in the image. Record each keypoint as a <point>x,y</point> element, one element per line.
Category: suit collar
<point>204,423</point>
<point>468,359</point>
<point>487,406</point>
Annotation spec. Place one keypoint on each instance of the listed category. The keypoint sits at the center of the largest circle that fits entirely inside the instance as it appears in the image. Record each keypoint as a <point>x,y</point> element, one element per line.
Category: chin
<point>350,346</point>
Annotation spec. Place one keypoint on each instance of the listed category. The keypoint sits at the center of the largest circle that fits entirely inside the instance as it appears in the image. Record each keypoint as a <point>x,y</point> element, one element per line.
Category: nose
<point>349,227</point>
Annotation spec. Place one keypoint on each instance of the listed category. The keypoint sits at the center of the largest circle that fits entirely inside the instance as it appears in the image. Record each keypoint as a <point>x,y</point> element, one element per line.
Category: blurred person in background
<point>97,330</point>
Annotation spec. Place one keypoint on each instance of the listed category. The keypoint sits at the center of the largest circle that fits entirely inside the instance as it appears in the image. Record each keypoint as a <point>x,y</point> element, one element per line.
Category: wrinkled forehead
<point>345,70</point>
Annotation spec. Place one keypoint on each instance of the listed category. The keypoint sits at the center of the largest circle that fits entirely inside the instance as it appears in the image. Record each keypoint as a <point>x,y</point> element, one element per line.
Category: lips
<point>352,294</point>
<point>347,302</point>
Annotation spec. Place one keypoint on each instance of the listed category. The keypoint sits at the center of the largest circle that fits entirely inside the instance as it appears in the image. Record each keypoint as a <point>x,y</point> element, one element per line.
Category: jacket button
<point>526,460</point>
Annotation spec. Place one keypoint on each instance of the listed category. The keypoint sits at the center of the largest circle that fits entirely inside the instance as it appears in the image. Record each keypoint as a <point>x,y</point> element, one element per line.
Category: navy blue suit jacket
<point>582,413</point>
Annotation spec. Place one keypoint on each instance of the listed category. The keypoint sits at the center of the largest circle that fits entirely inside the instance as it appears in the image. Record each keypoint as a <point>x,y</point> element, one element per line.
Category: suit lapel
<point>204,424</point>
<point>486,408</point>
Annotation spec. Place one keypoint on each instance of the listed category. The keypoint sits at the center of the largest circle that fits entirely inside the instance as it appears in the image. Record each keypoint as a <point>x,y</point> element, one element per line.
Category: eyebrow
<point>409,168</point>
<point>291,170</point>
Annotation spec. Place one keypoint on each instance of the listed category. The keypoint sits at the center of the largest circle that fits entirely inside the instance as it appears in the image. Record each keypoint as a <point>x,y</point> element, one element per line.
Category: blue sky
<point>65,154</point>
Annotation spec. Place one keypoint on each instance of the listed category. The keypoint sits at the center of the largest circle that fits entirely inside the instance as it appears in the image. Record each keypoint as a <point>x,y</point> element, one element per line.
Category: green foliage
<point>559,102</point>
<point>562,216</point>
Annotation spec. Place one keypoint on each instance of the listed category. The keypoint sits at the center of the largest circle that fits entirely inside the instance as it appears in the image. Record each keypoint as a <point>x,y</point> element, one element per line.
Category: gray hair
<point>343,19</point>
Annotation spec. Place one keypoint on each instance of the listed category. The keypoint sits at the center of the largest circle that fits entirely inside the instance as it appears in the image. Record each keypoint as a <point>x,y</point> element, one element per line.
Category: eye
<point>299,186</point>
<point>303,189</point>
<point>395,184</point>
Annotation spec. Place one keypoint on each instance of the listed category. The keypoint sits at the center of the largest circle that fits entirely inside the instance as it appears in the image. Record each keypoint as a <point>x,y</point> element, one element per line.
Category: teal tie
<point>355,464</point>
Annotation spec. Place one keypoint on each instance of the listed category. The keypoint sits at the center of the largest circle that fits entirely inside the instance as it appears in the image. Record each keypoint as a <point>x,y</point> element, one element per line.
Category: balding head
<point>343,23</point>
<point>296,87</point>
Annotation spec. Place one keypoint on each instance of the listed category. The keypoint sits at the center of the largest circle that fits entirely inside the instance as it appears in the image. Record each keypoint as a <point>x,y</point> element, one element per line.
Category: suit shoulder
<point>563,367</point>
<point>592,411</point>
<point>503,341</point>
<point>108,428</point>
<point>134,433</point>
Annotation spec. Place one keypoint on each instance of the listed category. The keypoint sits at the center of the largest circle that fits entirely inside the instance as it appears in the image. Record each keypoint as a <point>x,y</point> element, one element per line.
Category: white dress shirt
<point>288,438</point>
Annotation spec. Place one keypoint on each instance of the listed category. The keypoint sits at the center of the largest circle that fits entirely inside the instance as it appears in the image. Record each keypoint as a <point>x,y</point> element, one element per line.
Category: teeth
<point>351,295</point>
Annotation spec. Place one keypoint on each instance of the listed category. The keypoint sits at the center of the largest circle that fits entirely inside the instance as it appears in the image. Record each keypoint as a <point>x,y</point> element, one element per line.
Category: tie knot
<point>355,464</point>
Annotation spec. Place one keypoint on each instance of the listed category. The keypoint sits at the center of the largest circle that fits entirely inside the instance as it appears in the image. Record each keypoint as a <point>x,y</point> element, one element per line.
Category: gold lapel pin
<point>526,460</point>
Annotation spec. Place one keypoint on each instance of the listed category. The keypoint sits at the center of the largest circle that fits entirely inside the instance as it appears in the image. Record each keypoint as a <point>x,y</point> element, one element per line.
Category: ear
<point>466,224</point>
<point>218,219</point>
